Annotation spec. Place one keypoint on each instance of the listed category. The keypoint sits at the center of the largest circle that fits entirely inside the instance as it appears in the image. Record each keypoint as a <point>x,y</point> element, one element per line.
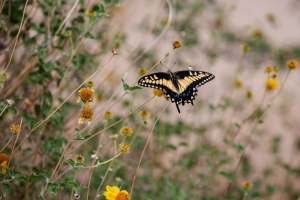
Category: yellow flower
<point>247,185</point>
<point>90,84</point>
<point>126,131</point>
<point>108,114</point>
<point>15,128</point>
<point>91,13</point>
<point>124,147</point>
<point>270,17</point>
<point>86,113</point>
<point>79,158</point>
<point>268,69</point>
<point>248,94</point>
<point>118,44</point>
<point>3,76</point>
<point>3,162</point>
<point>246,47</point>
<point>292,64</point>
<point>257,33</point>
<point>142,71</point>
<point>176,44</point>
<point>158,92</point>
<point>275,68</point>
<point>238,82</point>
<point>271,83</point>
<point>114,193</point>
<point>144,114</point>
<point>86,95</point>
<point>100,96</point>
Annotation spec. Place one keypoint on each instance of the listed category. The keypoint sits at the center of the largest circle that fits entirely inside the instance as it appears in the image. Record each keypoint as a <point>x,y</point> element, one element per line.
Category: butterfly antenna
<point>173,65</point>
<point>164,66</point>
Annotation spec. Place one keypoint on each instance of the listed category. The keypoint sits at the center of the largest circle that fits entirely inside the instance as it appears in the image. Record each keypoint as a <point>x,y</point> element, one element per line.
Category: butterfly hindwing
<point>179,87</point>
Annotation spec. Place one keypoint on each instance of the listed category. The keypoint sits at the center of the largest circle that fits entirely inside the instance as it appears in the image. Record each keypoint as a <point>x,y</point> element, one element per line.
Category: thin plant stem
<point>143,152</point>
<point>17,37</point>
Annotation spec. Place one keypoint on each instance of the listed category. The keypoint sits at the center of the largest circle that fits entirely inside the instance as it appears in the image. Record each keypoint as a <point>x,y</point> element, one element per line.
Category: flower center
<point>122,196</point>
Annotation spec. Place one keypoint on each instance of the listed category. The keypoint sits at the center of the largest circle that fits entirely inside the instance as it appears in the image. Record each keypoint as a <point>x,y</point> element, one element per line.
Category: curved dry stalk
<point>140,161</point>
<point>17,37</point>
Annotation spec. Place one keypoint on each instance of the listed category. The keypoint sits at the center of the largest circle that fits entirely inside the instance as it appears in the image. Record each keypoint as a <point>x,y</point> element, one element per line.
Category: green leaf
<point>5,189</point>
<point>227,175</point>
<point>87,136</point>
<point>52,188</point>
<point>237,125</point>
<point>127,88</point>
<point>79,164</point>
<point>260,121</point>
<point>89,35</point>
<point>40,197</point>
<point>73,184</point>
<point>239,147</point>
<point>3,26</point>
<point>71,162</point>
<point>171,146</point>
<point>183,144</point>
<point>107,1</point>
<point>37,177</point>
<point>47,174</point>
<point>49,66</point>
<point>37,109</point>
<point>10,172</point>
<point>101,9</point>
<point>82,188</point>
<point>21,176</point>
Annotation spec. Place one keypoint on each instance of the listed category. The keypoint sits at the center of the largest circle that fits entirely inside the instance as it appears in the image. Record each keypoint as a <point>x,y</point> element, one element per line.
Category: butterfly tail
<point>177,107</point>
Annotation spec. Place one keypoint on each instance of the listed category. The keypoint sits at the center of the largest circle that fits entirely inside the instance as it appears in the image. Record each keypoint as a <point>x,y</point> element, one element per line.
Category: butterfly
<point>179,87</point>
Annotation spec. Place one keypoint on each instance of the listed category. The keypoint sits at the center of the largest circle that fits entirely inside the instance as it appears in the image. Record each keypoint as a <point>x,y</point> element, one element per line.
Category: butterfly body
<point>179,87</point>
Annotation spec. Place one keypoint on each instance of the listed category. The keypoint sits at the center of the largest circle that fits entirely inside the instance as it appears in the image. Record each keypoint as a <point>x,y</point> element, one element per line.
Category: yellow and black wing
<point>180,87</point>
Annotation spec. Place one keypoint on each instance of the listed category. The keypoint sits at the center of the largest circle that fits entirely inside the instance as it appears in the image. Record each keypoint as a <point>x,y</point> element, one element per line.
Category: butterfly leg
<point>177,107</point>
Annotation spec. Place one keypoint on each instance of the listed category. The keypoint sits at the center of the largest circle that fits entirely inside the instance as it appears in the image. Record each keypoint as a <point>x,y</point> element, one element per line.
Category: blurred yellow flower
<point>3,162</point>
<point>79,158</point>
<point>246,47</point>
<point>85,114</point>
<point>292,64</point>
<point>108,114</point>
<point>238,82</point>
<point>271,83</point>
<point>15,128</point>
<point>176,44</point>
<point>126,131</point>
<point>248,94</point>
<point>268,69</point>
<point>247,185</point>
<point>142,71</point>
<point>144,114</point>
<point>91,13</point>
<point>124,147</point>
<point>86,95</point>
<point>158,92</point>
<point>114,193</point>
